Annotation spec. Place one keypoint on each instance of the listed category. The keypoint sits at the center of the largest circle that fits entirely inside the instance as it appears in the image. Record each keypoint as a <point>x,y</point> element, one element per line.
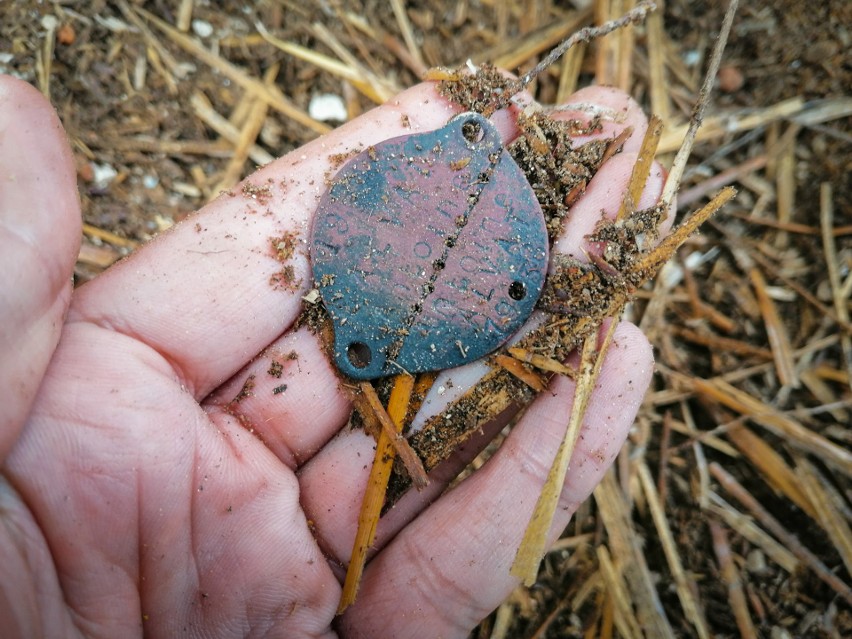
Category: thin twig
<point>827,515</point>
<point>272,95</point>
<point>587,34</point>
<point>775,527</point>
<point>679,164</point>
<point>374,496</point>
<point>547,364</point>
<point>523,373</point>
<point>684,583</point>
<point>777,422</point>
<point>826,207</point>
<point>642,168</point>
<point>731,577</point>
<point>776,331</point>
<point>407,32</point>
<point>772,466</point>
<point>400,444</point>
<point>619,595</point>
<point>628,551</point>
<point>652,260</point>
<point>745,526</point>
<point>534,543</point>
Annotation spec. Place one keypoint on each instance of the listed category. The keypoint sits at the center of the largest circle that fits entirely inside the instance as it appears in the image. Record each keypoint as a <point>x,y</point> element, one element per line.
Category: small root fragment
<point>521,371</point>
<point>546,364</point>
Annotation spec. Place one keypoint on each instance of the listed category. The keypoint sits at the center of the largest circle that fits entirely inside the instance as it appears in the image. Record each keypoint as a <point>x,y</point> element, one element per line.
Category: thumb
<point>39,241</point>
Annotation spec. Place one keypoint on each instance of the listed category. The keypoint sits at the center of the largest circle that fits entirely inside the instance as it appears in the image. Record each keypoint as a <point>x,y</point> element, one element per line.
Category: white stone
<point>202,28</point>
<point>327,106</point>
<point>103,175</point>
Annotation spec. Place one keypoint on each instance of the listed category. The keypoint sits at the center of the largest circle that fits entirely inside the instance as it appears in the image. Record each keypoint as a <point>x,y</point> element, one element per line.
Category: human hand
<point>138,497</point>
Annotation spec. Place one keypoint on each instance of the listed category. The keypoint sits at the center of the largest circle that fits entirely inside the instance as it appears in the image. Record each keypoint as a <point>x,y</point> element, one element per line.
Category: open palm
<point>152,481</point>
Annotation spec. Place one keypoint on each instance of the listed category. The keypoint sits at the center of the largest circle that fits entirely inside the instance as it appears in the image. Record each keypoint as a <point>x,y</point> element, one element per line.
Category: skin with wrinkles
<point>136,498</point>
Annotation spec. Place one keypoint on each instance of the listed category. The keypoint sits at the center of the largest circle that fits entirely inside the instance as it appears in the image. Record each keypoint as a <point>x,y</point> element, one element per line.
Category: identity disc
<point>429,251</point>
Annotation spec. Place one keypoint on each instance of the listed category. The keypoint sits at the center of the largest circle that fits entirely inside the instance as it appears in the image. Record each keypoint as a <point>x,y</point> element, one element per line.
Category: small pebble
<point>85,171</point>
<point>730,79</point>
<point>49,22</point>
<point>202,28</point>
<point>756,562</point>
<point>691,57</point>
<point>103,175</point>
<point>66,34</point>
<point>327,106</point>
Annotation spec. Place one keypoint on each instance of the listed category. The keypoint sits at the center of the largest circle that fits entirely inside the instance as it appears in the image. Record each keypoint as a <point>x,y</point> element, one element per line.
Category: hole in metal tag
<point>429,251</point>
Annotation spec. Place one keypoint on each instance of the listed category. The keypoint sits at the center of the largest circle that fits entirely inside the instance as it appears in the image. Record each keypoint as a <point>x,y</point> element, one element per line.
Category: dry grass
<point>728,512</point>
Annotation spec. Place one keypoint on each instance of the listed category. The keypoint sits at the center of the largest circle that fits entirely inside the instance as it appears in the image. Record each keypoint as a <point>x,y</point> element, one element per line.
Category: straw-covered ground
<point>728,512</point>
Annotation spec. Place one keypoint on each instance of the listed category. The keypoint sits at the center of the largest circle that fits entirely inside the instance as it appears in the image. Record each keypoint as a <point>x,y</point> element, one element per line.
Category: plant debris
<point>474,91</point>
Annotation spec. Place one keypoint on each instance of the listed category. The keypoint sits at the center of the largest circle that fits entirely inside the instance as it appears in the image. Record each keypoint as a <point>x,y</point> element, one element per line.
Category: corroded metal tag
<point>429,251</point>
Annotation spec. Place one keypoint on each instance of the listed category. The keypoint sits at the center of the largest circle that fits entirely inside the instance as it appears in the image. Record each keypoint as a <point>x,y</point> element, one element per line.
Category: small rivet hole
<point>359,355</point>
<point>517,290</point>
<point>472,131</point>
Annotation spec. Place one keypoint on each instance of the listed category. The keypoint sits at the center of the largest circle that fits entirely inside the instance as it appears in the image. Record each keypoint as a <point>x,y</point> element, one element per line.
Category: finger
<point>295,422</point>
<point>334,506</point>
<point>604,194</point>
<point>39,241</point>
<point>602,200</point>
<point>451,565</point>
<point>615,109</point>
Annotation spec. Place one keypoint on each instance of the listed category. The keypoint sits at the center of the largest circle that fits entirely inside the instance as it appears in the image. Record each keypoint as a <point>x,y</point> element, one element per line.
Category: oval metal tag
<point>429,251</point>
